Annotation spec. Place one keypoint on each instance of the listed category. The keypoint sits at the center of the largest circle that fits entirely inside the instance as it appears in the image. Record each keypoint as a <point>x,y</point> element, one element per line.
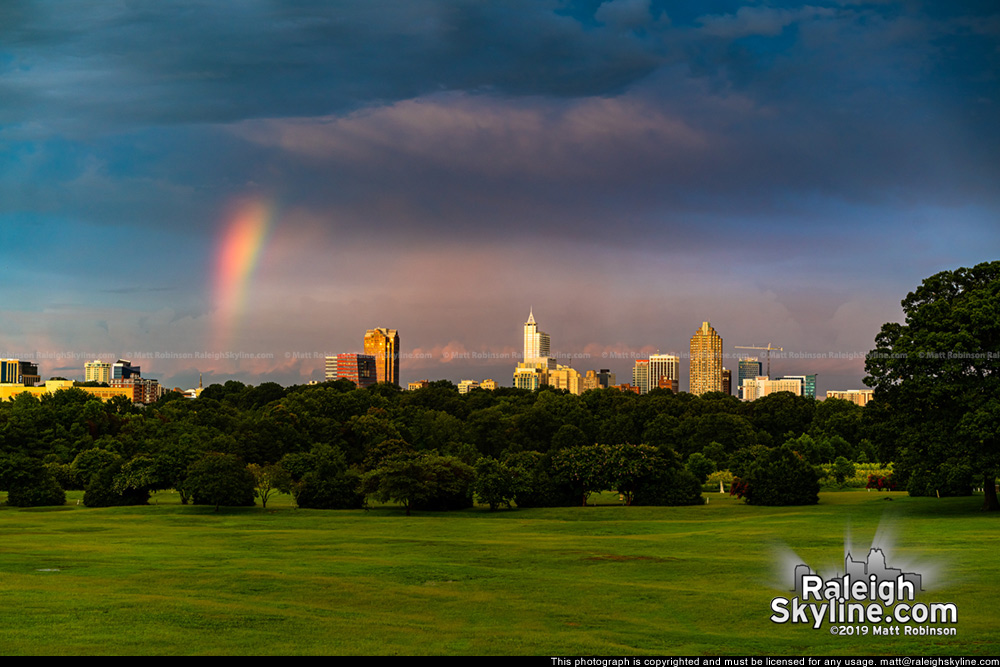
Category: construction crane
<point>768,348</point>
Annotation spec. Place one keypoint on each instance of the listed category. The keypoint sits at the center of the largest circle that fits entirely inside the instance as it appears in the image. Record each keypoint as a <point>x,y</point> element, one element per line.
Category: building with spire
<point>533,371</point>
<point>705,373</point>
<point>537,344</point>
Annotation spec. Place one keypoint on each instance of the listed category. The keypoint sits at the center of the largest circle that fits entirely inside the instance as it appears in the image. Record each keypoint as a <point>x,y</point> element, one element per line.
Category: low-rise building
<point>465,386</point>
<point>856,396</point>
<point>9,391</point>
<point>762,386</point>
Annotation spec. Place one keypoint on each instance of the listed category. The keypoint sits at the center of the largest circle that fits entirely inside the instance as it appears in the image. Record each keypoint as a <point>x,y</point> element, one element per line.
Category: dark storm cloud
<point>110,64</point>
<point>857,101</point>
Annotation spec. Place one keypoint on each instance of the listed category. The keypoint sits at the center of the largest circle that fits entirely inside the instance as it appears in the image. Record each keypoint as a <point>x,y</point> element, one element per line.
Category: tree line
<point>334,445</point>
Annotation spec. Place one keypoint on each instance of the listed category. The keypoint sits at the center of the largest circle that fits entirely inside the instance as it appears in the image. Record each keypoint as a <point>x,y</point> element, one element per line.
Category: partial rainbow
<point>241,241</point>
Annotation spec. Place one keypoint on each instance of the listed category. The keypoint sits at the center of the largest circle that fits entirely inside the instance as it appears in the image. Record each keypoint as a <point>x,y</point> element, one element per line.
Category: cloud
<point>626,14</point>
<point>491,137</point>
<point>764,21</point>
<point>78,69</point>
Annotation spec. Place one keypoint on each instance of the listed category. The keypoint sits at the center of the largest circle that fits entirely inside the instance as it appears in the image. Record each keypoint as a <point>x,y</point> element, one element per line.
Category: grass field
<point>604,580</point>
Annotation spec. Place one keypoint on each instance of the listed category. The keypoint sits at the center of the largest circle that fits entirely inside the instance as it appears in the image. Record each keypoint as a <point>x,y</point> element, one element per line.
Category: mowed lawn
<point>604,580</point>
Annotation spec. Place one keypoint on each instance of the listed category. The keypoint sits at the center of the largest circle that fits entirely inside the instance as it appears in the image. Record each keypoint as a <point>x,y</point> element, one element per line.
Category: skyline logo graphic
<point>869,597</point>
<point>872,574</point>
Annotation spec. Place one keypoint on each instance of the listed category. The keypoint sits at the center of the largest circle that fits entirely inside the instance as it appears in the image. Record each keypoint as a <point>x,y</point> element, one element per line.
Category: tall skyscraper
<point>705,372</point>
<point>533,371</point>
<point>537,344</point>
<point>383,344</point>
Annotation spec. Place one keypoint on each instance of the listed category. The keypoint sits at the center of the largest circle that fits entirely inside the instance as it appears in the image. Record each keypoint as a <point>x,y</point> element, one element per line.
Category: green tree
<point>269,479</point>
<point>495,483</point>
<point>323,480</point>
<point>421,481</point>
<point>781,476</point>
<point>536,485</point>
<point>584,468</point>
<point>937,377</point>
<point>842,470</point>
<point>627,466</point>
<point>91,462</point>
<point>220,479</point>
<point>122,483</point>
<point>700,466</point>
<point>668,483</point>
<point>29,483</point>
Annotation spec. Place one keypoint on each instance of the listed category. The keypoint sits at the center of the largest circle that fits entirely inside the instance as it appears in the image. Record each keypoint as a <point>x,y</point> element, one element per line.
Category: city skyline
<point>535,368</point>
<point>247,200</point>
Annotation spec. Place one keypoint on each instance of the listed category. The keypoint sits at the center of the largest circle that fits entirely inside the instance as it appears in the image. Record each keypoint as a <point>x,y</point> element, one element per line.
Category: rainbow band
<point>239,249</point>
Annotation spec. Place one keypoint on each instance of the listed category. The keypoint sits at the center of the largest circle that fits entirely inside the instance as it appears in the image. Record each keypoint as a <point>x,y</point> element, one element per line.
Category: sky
<point>238,189</point>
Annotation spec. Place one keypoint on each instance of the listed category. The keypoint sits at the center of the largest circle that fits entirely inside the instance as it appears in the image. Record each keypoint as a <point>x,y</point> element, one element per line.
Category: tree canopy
<point>937,383</point>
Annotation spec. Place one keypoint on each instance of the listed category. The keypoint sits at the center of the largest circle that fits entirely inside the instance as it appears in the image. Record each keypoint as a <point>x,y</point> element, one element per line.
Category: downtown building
<point>601,379</point>
<point>50,387</point>
<point>660,371</point>
<point>705,372</point>
<point>361,369</point>
<point>857,396</point>
<point>97,371</point>
<point>664,372</point>
<point>750,368</point>
<point>640,375</point>
<point>128,378</point>
<point>533,371</point>
<point>123,370</point>
<point>808,383</point>
<point>762,386</point>
<point>465,386</point>
<point>137,389</point>
<point>383,345</point>
<point>19,373</point>
<point>564,377</point>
